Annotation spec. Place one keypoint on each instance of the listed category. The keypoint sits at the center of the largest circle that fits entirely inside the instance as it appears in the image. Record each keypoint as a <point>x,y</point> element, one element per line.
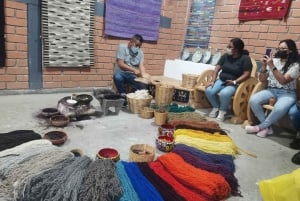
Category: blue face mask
<point>134,50</point>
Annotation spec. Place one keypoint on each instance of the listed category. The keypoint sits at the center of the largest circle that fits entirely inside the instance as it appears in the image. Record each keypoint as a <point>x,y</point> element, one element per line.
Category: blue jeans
<point>121,78</point>
<point>220,96</point>
<point>294,114</point>
<point>284,100</point>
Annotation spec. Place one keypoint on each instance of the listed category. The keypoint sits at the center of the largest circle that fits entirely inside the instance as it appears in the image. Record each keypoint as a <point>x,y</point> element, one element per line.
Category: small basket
<point>160,117</point>
<point>141,153</point>
<point>146,113</point>
<point>59,120</point>
<point>189,80</point>
<point>163,95</point>
<point>135,105</point>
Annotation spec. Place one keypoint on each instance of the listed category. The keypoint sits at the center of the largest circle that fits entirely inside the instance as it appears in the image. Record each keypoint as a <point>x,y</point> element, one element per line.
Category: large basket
<point>163,95</point>
<point>141,153</point>
<point>135,105</point>
<point>189,80</point>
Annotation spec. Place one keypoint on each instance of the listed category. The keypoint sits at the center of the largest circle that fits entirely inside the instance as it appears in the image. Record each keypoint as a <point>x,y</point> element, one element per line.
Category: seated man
<point>130,65</point>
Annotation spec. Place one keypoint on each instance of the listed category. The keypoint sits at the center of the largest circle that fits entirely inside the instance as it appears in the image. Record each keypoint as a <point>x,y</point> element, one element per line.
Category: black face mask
<point>282,54</point>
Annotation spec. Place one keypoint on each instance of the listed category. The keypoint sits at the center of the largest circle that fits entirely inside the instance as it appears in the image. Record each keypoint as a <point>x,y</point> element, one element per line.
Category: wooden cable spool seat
<point>284,122</point>
<point>239,100</point>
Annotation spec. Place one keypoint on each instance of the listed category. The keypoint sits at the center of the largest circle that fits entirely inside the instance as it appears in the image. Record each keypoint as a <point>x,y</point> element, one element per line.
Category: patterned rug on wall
<point>262,10</point>
<point>67,33</point>
<point>126,18</point>
<point>200,23</point>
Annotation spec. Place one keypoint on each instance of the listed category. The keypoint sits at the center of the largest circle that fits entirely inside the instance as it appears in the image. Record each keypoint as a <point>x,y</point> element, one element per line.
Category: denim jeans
<point>121,78</point>
<point>220,96</point>
<point>294,114</point>
<point>284,100</point>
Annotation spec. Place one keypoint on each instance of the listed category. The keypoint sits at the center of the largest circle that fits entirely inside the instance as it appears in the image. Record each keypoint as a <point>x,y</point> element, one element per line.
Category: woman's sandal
<point>296,158</point>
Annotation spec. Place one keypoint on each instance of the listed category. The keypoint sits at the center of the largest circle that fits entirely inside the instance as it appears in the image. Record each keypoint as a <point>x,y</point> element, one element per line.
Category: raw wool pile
<point>184,116</point>
<point>38,170</point>
<point>20,163</point>
<point>101,182</point>
<point>17,137</point>
<point>139,94</point>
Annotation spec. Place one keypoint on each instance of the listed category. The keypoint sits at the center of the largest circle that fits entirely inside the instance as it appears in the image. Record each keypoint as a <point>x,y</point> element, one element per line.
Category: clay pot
<point>56,137</point>
<point>166,129</point>
<point>48,112</point>
<point>59,120</point>
<point>165,143</point>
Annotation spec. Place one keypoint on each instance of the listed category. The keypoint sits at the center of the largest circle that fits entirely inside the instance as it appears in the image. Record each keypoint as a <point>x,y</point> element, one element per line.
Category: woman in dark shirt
<point>233,68</point>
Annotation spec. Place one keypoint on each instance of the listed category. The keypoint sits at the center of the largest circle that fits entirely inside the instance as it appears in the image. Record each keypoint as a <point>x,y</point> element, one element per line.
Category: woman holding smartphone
<point>281,74</point>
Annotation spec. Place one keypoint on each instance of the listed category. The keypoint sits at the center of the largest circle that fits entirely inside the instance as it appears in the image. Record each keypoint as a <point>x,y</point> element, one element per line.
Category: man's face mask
<point>134,50</point>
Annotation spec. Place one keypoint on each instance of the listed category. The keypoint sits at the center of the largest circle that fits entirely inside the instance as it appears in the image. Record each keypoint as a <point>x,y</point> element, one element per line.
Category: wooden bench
<point>239,100</point>
<point>283,122</point>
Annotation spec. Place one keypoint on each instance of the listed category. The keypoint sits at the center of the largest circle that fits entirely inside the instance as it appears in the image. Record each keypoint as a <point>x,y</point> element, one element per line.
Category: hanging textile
<point>2,39</point>
<point>200,23</point>
<point>263,9</point>
<point>67,33</point>
<point>126,18</point>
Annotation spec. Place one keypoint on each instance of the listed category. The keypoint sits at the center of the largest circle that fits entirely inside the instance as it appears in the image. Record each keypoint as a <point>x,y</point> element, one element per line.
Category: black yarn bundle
<point>17,137</point>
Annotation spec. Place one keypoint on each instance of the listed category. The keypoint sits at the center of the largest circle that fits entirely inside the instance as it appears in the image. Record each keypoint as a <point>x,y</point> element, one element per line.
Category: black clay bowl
<point>56,137</point>
<point>48,112</point>
<point>84,99</point>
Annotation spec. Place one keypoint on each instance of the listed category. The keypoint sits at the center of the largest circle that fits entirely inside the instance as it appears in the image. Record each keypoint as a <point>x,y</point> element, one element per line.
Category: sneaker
<point>252,129</point>
<point>221,115</point>
<point>214,113</point>
<point>264,132</point>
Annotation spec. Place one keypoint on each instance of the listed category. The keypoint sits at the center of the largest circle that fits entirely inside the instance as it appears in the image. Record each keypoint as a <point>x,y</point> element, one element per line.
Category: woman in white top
<point>281,74</point>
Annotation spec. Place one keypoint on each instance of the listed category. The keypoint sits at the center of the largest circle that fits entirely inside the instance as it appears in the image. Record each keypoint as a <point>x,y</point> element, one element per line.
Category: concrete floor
<point>123,130</point>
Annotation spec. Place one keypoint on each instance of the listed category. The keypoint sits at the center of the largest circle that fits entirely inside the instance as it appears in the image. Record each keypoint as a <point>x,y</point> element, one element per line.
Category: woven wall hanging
<point>200,23</point>
<point>126,18</point>
<point>263,9</point>
<point>67,33</point>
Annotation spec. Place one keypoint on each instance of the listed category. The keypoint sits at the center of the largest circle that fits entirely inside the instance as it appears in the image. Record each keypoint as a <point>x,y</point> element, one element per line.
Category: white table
<point>175,68</point>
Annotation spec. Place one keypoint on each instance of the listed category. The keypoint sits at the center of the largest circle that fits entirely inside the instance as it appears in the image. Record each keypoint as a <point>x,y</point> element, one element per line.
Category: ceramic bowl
<point>56,137</point>
<point>48,112</point>
<point>165,143</point>
<point>59,120</point>
<point>84,99</point>
<point>108,153</point>
<point>71,102</point>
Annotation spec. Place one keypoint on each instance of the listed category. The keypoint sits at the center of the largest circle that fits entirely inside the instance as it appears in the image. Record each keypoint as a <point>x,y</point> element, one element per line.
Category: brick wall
<point>15,74</point>
<point>256,34</point>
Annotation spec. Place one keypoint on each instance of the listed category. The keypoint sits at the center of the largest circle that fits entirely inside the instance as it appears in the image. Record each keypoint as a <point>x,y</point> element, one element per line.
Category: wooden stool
<point>107,103</point>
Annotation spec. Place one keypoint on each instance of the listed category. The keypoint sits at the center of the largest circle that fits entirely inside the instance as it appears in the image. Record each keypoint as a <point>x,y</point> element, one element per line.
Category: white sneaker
<point>221,115</point>
<point>214,112</point>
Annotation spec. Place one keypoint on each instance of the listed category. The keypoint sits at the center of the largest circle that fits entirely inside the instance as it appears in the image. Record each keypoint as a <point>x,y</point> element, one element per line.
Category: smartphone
<point>268,52</point>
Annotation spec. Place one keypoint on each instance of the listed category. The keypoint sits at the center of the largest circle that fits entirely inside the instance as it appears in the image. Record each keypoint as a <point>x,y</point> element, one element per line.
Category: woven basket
<point>135,105</point>
<point>146,113</point>
<point>160,117</point>
<point>163,95</point>
<point>189,80</point>
<point>141,153</point>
